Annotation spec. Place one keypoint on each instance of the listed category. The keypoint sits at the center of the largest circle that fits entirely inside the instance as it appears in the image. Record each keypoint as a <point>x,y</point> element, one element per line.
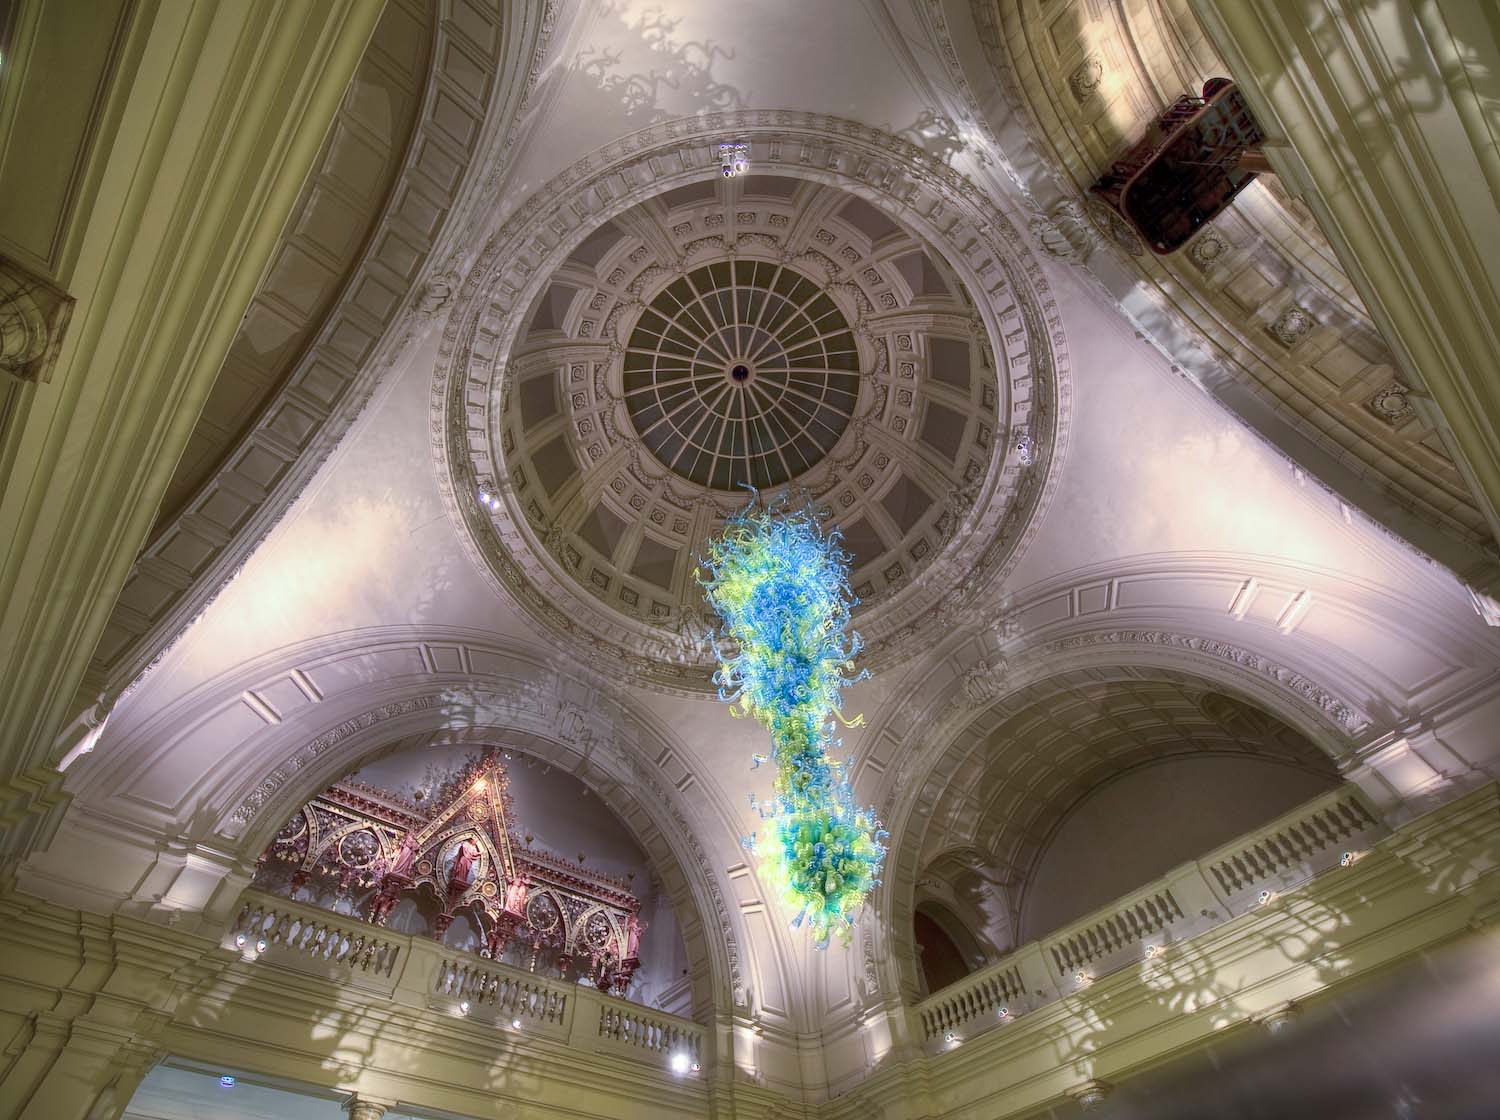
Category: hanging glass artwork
<point>780,586</point>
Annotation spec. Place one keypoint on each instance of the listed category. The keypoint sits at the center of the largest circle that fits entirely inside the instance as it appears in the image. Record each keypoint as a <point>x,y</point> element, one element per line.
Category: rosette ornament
<point>780,586</point>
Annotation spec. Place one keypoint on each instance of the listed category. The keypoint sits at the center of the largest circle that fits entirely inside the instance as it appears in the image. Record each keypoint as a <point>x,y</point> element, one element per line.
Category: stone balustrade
<point>1320,834</point>
<point>266,924</point>
<point>423,974</point>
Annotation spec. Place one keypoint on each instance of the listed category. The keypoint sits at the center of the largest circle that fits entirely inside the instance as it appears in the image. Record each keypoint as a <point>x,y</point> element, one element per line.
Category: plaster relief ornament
<point>780,586</point>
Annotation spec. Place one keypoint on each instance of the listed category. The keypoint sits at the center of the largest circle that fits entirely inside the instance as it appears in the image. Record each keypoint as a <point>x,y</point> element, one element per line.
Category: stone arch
<point>977,240</point>
<point>469,689</point>
<point>699,912</point>
<point>962,736</point>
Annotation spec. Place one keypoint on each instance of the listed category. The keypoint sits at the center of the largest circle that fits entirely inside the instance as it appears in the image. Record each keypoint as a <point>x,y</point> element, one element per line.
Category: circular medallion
<point>358,849</point>
<point>542,914</point>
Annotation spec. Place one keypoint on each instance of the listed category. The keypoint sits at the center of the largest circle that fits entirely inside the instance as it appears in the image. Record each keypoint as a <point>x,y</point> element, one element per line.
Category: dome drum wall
<point>606,357</point>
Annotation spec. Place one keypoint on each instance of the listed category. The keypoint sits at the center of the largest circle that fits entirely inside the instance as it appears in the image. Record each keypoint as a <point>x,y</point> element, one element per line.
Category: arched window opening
<point>475,848</point>
<point>942,957</point>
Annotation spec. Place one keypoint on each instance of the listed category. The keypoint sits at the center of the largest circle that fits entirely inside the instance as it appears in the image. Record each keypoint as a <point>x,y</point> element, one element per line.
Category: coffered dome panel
<point>729,335</point>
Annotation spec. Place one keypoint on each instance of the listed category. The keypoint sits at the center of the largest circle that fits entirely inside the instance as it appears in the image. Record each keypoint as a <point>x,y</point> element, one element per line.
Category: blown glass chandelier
<point>780,586</point>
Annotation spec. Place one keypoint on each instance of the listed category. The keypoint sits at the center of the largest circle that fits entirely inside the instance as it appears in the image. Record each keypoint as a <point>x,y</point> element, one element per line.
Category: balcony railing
<point>423,974</point>
<point>1195,897</point>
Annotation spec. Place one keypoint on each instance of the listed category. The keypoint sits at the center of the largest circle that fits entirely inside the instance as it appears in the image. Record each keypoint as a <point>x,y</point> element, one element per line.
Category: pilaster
<point>208,118</point>
<point>100,992</point>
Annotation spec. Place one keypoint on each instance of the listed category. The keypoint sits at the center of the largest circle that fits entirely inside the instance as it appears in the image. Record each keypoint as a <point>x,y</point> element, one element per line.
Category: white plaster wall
<point>1149,820</point>
<point>1154,465</point>
<point>633,63</point>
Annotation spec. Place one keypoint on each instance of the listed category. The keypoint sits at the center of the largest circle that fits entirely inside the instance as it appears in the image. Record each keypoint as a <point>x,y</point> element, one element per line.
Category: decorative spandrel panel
<point>359,849</point>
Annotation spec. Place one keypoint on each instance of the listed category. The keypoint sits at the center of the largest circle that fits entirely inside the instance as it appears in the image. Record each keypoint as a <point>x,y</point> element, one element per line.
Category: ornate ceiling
<point>668,364</point>
<point>1257,308</point>
<point>505,454</point>
<point>834,323</point>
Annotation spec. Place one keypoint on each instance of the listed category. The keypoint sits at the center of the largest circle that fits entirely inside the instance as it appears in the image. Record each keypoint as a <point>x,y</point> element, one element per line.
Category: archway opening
<point>946,950</point>
<point>485,849</point>
<point>1079,788</point>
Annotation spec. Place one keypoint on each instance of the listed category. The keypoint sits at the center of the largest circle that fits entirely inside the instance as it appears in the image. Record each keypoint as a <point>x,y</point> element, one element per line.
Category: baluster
<point>1243,873</point>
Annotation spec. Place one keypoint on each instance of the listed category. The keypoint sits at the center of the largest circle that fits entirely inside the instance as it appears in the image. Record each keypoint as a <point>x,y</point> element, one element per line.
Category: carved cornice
<point>1018,314</point>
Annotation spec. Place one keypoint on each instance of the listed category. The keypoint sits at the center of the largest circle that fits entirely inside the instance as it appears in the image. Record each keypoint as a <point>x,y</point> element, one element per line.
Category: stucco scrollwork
<point>1340,712</point>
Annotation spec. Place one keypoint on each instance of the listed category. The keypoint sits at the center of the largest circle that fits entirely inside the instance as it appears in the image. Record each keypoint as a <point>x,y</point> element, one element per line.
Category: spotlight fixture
<point>680,1062</point>
<point>226,1081</point>
<point>1004,1013</point>
<point>1082,979</point>
<point>734,159</point>
<point>1265,897</point>
<point>515,1024</point>
<point>1153,951</point>
<point>488,500</point>
<point>1025,449</point>
<point>260,944</point>
<point>239,940</point>
<point>949,1036</point>
<point>463,1007</point>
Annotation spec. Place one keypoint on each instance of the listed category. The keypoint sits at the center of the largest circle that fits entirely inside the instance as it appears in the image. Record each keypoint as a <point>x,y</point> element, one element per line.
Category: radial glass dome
<point>741,372</point>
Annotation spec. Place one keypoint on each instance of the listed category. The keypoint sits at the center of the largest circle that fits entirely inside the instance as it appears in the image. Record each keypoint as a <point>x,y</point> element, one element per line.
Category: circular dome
<point>615,373</point>
<point>741,372</point>
<point>819,344</point>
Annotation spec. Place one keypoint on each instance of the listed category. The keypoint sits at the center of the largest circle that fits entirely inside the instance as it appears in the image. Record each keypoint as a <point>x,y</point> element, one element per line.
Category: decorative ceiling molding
<point>1016,309</point>
<point>474,94</point>
<point>1349,721</point>
<point>1221,312</point>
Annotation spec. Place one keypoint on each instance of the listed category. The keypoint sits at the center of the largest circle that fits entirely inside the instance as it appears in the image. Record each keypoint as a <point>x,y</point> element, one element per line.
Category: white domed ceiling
<point>770,331</point>
<point>759,361</point>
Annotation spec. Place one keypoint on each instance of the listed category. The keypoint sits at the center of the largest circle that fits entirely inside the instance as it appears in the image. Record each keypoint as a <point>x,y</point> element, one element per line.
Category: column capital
<point>361,1106</point>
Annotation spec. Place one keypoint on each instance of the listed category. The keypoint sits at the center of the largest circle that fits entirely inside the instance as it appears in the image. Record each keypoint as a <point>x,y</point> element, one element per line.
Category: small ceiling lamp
<point>734,159</point>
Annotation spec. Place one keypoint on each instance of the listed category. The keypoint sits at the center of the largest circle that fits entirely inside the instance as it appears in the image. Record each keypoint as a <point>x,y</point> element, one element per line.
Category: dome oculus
<point>741,372</point>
